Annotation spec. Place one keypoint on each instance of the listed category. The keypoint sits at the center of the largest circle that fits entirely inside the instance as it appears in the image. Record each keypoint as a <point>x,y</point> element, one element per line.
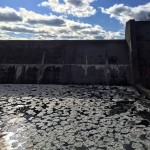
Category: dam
<point>104,62</point>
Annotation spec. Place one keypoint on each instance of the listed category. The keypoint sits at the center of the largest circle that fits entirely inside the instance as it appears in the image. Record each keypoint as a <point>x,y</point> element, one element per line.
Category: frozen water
<point>73,117</point>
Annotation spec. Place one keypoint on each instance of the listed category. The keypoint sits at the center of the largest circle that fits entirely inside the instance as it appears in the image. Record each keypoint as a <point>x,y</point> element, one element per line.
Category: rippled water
<point>56,117</point>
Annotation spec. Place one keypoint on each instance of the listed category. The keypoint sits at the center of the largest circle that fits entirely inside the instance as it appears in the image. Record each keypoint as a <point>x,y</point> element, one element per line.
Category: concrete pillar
<point>130,36</point>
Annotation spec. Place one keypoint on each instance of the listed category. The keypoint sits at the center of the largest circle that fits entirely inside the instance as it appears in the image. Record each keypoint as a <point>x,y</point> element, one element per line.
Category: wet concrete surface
<point>56,117</point>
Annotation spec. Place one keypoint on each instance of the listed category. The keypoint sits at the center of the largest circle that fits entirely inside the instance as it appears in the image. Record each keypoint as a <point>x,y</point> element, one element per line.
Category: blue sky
<point>69,19</point>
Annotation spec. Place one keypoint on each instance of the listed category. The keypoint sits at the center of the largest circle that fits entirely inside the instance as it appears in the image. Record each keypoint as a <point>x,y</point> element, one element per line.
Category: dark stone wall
<point>130,36</point>
<point>65,62</point>
<point>143,47</point>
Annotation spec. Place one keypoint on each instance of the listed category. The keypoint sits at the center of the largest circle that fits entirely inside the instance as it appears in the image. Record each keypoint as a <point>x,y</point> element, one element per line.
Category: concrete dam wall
<point>138,39</point>
<point>143,48</point>
<point>64,62</point>
<point>105,62</point>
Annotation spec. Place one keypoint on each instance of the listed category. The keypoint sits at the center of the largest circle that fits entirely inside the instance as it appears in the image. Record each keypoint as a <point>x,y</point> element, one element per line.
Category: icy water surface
<point>56,117</point>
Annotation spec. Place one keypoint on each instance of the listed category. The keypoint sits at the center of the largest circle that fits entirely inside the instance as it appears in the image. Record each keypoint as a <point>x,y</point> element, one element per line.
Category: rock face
<point>73,117</point>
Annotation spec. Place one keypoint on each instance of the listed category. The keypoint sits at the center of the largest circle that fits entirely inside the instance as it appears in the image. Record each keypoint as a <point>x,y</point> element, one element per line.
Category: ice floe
<point>73,117</point>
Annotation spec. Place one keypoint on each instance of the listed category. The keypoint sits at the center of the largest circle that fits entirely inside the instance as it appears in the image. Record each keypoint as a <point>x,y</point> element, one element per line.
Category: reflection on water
<point>45,117</point>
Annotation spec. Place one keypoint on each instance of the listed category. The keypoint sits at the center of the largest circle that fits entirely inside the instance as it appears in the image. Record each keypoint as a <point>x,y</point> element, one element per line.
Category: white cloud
<point>124,13</point>
<point>34,18</point>
<point>5,36</point>
<point>77,8</point>
<point>8,14</point>
<point>48,27</point>
<point>20,28</point>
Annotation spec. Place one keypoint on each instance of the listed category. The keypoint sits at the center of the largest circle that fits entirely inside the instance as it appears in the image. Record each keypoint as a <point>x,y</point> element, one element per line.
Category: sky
<point>69,19</point>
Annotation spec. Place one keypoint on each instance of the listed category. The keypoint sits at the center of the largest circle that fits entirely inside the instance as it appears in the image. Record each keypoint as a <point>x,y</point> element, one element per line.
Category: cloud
<point>51,22</point>
<point>9,15</point>
<point>7,37</point>
<point>70,37</point>
<point>18,28</point>
<point>34,18</point>
<point>51,27</point>
<point>124,13</point>
<point>79,26</point>
<point>77,8</point>
<point>91,32</point>
<point>77,3</point>
<point>99,37</point>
